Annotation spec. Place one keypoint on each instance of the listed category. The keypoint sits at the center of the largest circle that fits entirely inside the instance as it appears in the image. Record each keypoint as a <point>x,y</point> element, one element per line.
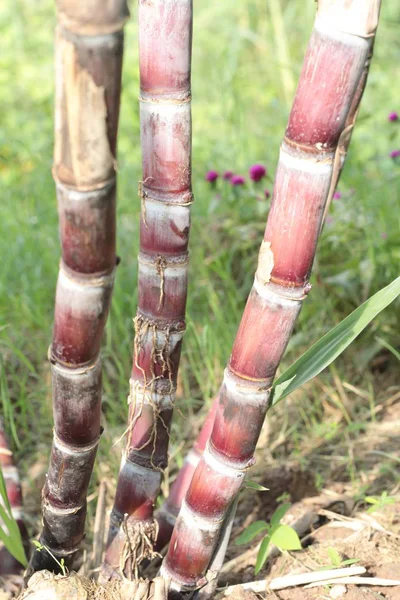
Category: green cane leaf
<point>389,347</point>
<point>251,532</point>
<point>256,486</point>
<point>10,534</point>
<point>331,345</point>
<point>3,492</point>
<point>262,554</point>
<point>279,514</point>
<point>285,538</point>
<point>13,543</point>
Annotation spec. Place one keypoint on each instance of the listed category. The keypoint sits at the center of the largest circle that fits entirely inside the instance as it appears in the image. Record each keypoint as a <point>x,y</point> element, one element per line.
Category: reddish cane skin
<point>181,484</point>
<point>164,531</point>
<point>8,564</point>
<point>161,138</point>
<point>210,492</point>
<point>322,100</point>
<point>165,67</point>
<point>229,437</point>
<point>77,337</point>
<point>262,338</point>
<point>189,554</point>
<point>5,459</point>
<point>135,499</point>
<point>77,407</point>
<point>164,44</point>
<point>14,492</point>
<point>179,489</point>
<point>144,367</point>
<point>317,119</point>
<point>296,212</point>
<point>162,235</point>
<point>206,430</point>
<point>85,227</point>
<point>146,448</point>
<point>172,307</point>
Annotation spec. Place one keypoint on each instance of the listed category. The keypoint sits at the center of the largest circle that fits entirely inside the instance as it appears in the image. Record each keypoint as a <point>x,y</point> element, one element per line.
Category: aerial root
<point>140,539</point>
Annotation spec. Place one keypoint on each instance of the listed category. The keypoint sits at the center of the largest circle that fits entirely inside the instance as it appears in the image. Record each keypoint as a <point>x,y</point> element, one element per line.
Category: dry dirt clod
<point>46,586</point>
<point>337,591</point>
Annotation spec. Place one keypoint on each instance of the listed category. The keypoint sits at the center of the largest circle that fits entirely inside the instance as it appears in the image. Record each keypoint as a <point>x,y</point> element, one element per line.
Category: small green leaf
<point>285,538</point>
<point>262,554</point>
<point>256,486</point>
<point>371,500</point>
<point>349,561</point>
<point>37,544</point>
<point>331,345</point>
<point>279,514</point>
<point>334,557</point>
<point>251,532</point>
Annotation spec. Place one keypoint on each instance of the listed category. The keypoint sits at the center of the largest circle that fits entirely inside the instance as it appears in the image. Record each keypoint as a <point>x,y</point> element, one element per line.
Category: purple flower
<point>384,235</point>
<point>238,180</point>
<point>393,116</point>
<point>228,175</point>
<point>267,194</point>
<point>337,195</point>
<point>394,154</point>
<point>212,176</point>
<point>257,172</point>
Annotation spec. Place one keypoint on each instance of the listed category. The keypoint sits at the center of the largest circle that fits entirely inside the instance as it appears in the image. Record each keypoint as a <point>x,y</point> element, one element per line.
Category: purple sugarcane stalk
<point>334,65</point>
<point>165,38</point>
<point>168,512</point>
<point>89,52</point>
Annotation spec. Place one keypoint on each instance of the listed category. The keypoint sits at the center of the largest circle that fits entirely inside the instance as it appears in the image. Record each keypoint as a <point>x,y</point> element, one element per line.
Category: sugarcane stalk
<point>89,52</point>
<point>346,135</point>
<point>334,64</point>
<point>8,564</point>
<point>166,515</point>
<point>165,37</point>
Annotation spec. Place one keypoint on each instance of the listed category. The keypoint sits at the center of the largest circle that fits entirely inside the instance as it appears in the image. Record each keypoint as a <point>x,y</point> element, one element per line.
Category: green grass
<point>239,115</point>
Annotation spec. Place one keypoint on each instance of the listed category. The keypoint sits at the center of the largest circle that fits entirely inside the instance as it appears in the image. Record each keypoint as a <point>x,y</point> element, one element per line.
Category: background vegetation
<point>247,58</point>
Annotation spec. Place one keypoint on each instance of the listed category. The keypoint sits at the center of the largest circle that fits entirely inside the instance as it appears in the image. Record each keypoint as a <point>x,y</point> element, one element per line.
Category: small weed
<point>378,503</point>
<point>282,536</point>
<point>336,560</point>
<point>61,563</point>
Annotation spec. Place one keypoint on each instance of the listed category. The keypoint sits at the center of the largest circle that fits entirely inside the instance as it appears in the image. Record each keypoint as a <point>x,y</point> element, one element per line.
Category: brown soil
<point>375,544</point>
